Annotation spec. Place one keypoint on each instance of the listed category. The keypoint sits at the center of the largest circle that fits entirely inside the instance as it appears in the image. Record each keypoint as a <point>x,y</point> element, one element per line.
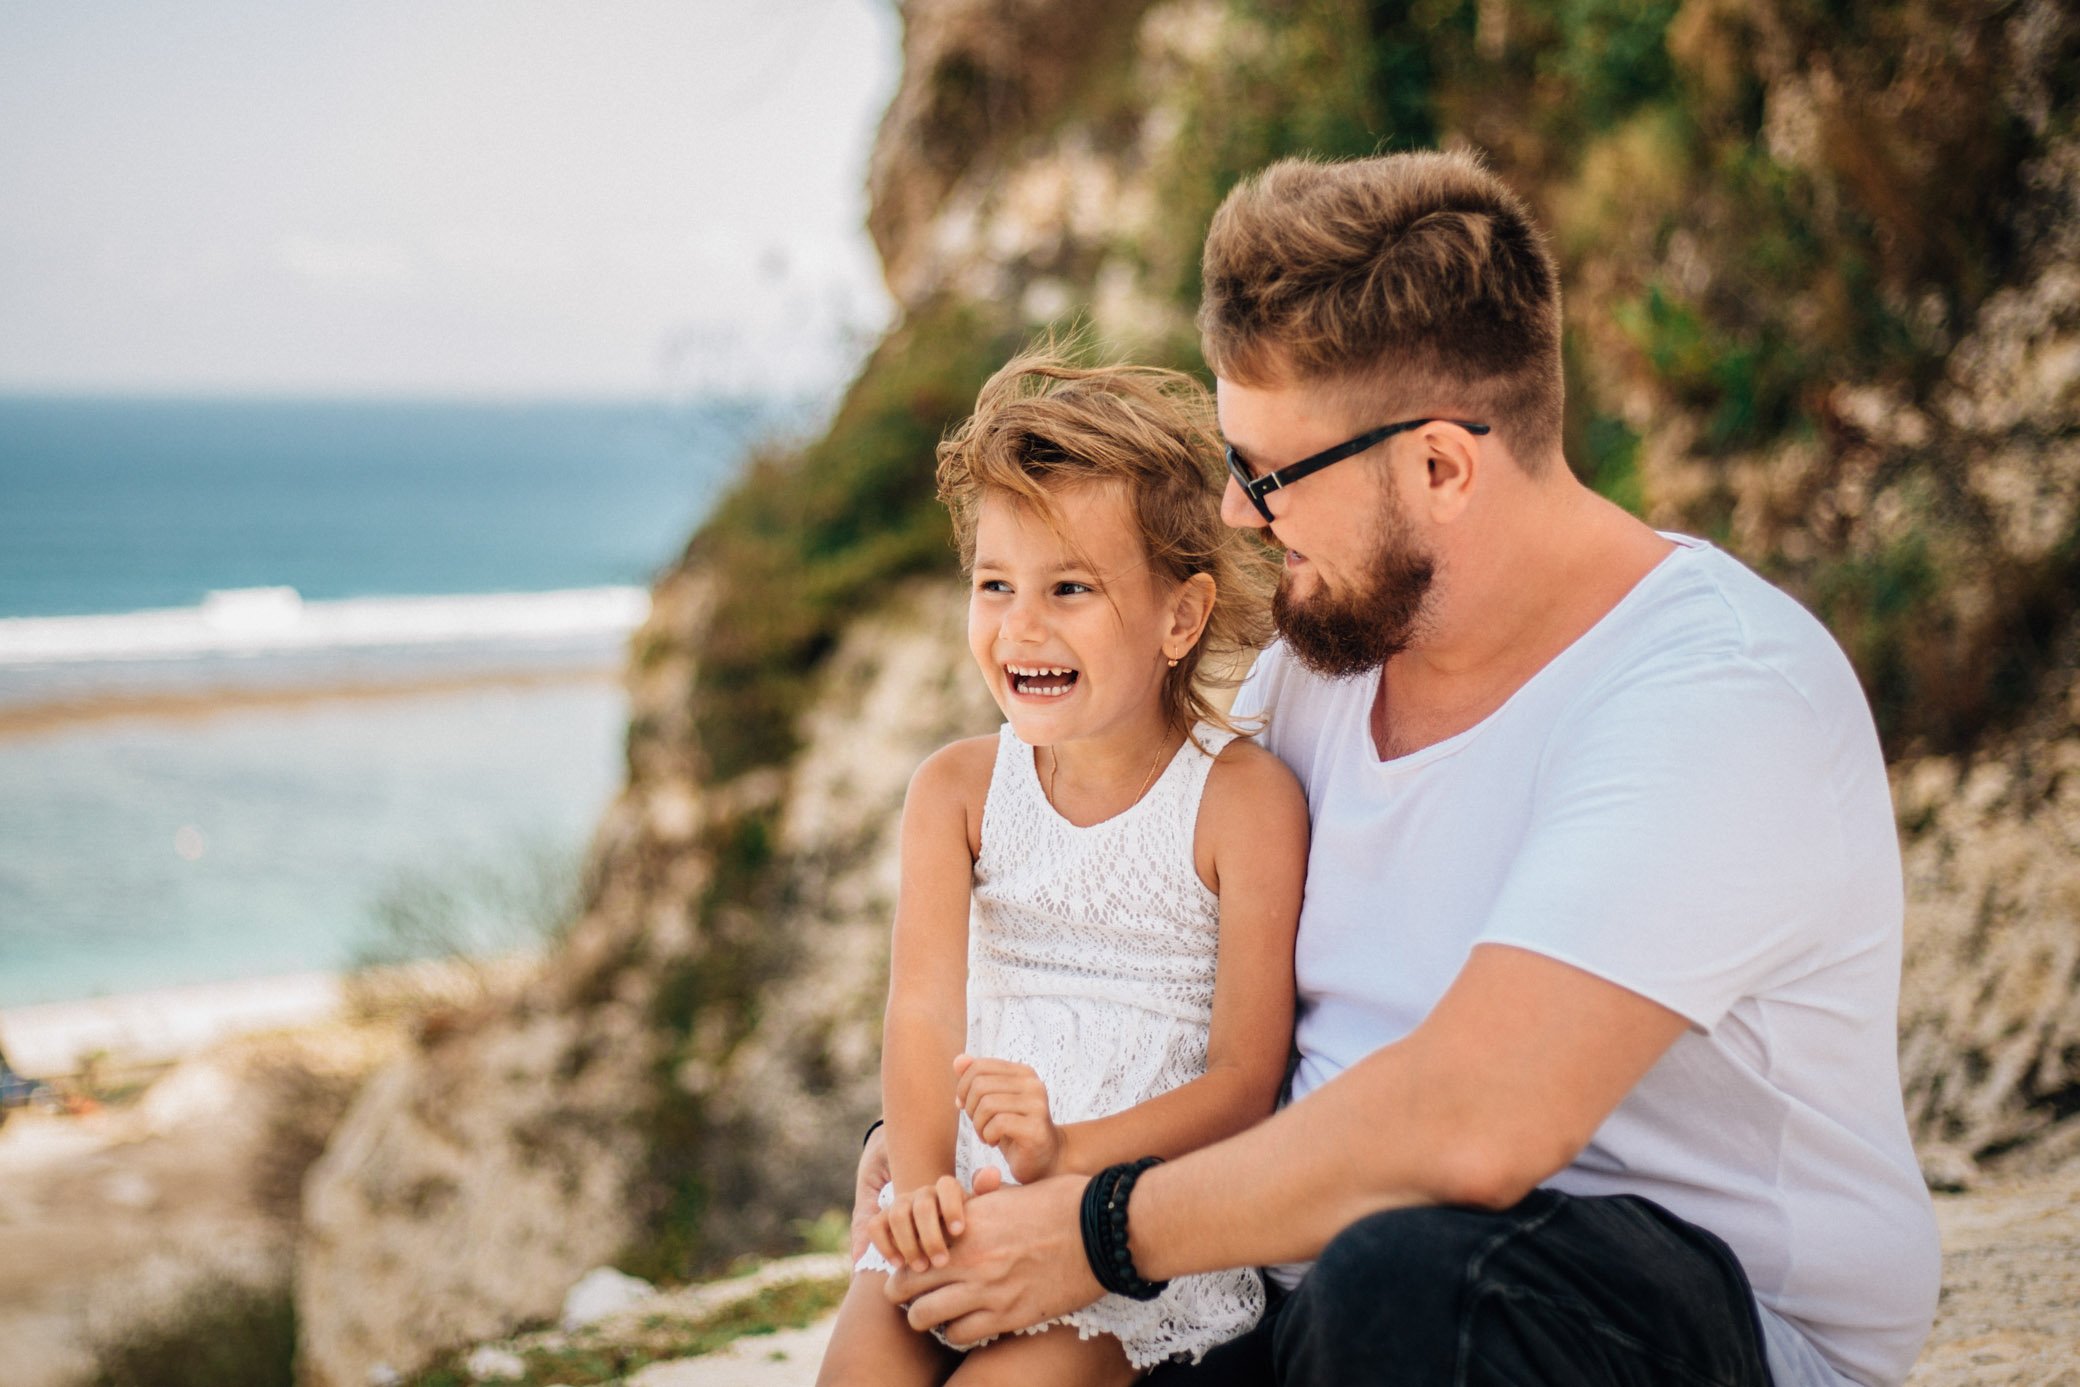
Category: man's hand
<point>1020,1263</point>
<point>1007,1104</point>
<point>866,1188</point>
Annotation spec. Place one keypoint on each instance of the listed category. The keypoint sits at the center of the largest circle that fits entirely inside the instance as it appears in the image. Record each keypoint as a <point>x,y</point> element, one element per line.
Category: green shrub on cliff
<point>808,538</point>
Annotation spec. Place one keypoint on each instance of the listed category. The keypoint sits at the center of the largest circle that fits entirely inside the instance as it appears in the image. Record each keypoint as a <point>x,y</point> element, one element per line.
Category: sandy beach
<point>31,719</point>
<point>51,1039</point>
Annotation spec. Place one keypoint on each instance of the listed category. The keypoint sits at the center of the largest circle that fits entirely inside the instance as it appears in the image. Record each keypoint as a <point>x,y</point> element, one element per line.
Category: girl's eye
<point>1070,589</point>
<point>992,585</point>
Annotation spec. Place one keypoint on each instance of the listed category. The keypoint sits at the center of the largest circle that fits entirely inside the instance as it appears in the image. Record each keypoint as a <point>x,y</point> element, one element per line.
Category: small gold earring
<point>1173,664</point>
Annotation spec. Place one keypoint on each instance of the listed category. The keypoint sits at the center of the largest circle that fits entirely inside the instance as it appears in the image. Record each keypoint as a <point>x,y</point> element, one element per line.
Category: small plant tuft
<point>220,1333</point>
<point>585,1359</point>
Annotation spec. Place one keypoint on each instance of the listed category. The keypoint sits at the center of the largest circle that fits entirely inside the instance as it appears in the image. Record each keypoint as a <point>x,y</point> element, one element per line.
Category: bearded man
<point>1599,961</point>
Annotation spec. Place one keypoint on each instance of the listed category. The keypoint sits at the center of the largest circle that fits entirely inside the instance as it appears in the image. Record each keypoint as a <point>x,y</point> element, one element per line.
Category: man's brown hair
<point>1418,278</point>
<point>1042,423</point>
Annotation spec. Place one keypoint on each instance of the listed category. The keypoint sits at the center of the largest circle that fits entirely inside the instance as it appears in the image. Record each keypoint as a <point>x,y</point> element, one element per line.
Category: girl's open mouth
<point>1040,681</point>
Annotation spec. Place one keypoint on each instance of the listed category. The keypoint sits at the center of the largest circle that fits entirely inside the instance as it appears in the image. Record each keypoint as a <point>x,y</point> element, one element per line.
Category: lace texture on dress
<point>1091,956</point>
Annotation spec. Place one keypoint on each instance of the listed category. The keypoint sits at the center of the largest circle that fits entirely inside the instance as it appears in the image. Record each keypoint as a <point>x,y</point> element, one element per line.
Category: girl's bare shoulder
<point>959,772</point>
<point>1248,784</point>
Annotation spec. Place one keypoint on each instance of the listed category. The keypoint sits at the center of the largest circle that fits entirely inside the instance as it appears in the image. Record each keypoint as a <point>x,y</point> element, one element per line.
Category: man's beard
<point>1338,635</point>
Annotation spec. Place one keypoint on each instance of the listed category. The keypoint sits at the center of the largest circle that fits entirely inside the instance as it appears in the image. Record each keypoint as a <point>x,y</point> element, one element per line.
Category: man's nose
<point>1237,509</point>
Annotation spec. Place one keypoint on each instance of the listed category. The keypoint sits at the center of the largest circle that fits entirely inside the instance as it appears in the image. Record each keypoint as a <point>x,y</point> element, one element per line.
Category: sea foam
<point>265,621</point>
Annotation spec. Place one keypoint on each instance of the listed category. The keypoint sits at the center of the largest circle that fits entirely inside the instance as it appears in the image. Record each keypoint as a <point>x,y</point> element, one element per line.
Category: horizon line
<point>270,395</point>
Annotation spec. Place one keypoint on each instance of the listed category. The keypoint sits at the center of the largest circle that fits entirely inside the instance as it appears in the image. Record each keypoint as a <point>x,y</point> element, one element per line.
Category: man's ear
<point>1453,460</point>
<point>1189,611</point>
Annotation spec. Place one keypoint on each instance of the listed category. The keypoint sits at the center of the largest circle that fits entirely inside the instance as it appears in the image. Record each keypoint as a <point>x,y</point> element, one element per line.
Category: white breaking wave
<point>263,621</point>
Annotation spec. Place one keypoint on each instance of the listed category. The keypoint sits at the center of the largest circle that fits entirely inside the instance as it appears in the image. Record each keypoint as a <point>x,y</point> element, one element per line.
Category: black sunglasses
<point>1257,488</point>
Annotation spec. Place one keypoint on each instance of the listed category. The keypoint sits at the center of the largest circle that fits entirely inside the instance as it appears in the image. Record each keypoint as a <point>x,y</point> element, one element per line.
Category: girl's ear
<point>1189,610</point>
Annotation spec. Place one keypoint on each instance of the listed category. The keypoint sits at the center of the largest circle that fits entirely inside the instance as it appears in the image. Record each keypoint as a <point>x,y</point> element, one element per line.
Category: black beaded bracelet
<point>872,1127</point>
<point>1105,1230</point>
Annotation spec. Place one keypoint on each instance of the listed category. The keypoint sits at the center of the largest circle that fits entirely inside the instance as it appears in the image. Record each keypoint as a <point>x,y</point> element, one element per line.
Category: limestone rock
<point>490,1363</point>
<point>601,1292</point>
<point>470,1184</point>
<point>114,1221</point>
<point>2010,1310</point>
<point>1990,1001</point>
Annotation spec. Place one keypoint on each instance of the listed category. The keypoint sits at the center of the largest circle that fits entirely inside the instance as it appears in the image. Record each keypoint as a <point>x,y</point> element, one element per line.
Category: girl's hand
<point>1007,1103</point>
<point>866,1187</point>
<point>913,1231</point>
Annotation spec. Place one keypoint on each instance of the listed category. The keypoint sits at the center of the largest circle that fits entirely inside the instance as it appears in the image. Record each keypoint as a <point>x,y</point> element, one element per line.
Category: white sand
<point>52,1038</point>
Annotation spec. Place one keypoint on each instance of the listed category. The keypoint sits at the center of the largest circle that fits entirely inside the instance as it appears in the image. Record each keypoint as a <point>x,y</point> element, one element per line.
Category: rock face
<point>1823,308</point>
<point>476,1180</point>
<point>1990,1004</point>
<point>489,1168</point>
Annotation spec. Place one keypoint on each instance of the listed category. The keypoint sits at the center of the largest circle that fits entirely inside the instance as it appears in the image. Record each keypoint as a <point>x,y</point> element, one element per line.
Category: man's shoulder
<point>1290,703</point>
<point>1708,622</point>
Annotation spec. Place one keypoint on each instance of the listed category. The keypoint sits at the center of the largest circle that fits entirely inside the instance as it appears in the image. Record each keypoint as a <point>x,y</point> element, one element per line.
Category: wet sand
<point>31,719</point>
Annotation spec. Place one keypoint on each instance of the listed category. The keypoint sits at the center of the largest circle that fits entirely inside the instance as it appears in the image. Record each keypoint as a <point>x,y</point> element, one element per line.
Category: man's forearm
<point>1275,1193</point>
<point>1217,1104</point>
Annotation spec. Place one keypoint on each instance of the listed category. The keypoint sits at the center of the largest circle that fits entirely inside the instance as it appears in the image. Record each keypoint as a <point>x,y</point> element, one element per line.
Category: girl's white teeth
<point>1021,675</point>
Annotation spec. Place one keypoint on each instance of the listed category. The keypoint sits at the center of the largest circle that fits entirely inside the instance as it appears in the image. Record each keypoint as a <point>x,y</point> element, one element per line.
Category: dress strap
<point>1015,796</point>
<point>1177,792</point>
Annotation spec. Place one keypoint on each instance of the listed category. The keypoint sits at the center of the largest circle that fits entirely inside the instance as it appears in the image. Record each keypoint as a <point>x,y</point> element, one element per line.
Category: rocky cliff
<point>1823,308</point>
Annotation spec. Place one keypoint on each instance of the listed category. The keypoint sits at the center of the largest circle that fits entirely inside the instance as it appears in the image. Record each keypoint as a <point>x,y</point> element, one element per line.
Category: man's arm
<point>1504,1082</point>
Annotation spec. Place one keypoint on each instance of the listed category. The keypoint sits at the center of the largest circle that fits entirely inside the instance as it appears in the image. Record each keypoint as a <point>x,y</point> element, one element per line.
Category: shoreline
<point>49,1040</point>
<point>35,719</point>
<point>162,1025</point>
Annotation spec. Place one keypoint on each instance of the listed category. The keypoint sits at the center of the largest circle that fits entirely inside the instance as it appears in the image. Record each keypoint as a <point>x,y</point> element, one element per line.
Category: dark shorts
<point>1557,1290</point>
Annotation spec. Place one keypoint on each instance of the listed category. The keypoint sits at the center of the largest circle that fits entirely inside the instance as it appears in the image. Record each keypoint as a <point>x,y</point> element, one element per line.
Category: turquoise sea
<point>492,557</point>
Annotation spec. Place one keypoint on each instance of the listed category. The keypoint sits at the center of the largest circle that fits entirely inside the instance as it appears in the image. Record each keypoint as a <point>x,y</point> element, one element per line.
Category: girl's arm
<point>927,1018</point>
<point>1251,847</point>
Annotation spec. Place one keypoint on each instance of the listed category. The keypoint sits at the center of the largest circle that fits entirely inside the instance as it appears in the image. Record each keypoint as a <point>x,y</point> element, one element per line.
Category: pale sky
<point>440,197</point>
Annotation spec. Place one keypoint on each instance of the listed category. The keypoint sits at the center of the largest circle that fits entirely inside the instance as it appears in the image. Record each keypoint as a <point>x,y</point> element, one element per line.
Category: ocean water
<point>470,572</point>
<point>111,506</point>
<point>139,853</point>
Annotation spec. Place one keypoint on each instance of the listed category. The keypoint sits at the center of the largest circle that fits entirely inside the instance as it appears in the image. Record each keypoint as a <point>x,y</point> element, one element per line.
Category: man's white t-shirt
<point>1689,801</point>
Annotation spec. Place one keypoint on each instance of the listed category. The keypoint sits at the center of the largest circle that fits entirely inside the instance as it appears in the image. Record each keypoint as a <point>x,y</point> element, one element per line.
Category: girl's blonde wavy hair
<point>1042,423</point>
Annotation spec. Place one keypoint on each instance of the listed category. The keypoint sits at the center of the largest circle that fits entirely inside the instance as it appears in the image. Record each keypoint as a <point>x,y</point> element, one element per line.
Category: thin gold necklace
<point>1054,770</point>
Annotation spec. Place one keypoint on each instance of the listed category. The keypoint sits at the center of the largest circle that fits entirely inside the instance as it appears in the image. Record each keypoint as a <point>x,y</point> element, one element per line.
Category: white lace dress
<point>1091,958</point>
